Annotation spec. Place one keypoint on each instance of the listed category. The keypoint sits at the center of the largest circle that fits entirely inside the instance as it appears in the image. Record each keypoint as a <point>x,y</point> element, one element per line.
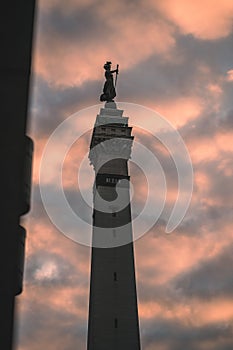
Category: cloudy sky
<point>175,57</point>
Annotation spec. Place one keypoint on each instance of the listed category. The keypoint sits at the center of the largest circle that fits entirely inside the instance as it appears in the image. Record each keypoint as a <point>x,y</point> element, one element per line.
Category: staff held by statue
<point>117,72</point>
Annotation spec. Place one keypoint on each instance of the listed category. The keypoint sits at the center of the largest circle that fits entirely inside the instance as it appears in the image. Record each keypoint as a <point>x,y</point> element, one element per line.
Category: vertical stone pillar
<point>113,314</point>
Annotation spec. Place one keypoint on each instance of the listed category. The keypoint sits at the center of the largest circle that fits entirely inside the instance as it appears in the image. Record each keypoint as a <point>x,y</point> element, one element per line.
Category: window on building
<point>115,322</point>
<point>115,276</point>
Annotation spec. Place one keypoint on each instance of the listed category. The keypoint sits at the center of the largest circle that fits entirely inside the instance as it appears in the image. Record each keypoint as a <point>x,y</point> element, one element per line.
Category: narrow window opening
<point>116,323</point>
<point>115,276</point>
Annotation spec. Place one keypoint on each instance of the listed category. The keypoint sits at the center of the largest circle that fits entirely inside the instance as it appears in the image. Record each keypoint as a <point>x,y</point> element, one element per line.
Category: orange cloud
<point>162,257</point>
<point>230,75</point>
<point>217,310</point>
<point>181,110</point>
<point>159,257</point>
<point>208,20</point>
<point>70,6</point>
<point>201,149</point>
<point>73,165</point>
<point>67,62</point>
<point>195,312</point>
<point>215,89</point>
<point>43,234</point>
<point>224,141</point>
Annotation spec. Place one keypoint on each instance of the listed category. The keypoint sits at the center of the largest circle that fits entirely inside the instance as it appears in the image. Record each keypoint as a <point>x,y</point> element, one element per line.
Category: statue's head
<point>107,65</point>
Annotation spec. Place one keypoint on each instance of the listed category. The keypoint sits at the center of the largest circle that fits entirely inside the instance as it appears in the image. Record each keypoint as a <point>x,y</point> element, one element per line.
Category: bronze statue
<point>109,91</point>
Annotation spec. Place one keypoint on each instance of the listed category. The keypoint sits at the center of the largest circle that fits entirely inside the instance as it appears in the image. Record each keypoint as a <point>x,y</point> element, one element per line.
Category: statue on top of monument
<point>109,91</point>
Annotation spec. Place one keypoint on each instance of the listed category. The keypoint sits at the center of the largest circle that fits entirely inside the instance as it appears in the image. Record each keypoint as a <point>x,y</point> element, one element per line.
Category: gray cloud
<point>158,80</point>
<point>48,328</point>
<point>50,269</point>
<point>209,279</point>
<point>50,105</point>
<point>226,123</point>
<point>176,336</point>
<point>78,25</point>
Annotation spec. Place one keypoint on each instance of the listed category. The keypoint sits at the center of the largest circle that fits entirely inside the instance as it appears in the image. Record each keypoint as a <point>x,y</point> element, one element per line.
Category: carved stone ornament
<point>110,149</point>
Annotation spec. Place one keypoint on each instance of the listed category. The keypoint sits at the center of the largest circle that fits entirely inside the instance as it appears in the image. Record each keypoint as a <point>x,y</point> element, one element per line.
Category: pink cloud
<point>73,165</point>
<point>70,6</point>
<point>201,149</point>
<point>158,258</point>
<point>43,234</point>
<point>230,75</point>
<point>195,312</point>
<point>37,154</point>
<point>181,110</point>
<point>68,63</point>
<point>208,21</point>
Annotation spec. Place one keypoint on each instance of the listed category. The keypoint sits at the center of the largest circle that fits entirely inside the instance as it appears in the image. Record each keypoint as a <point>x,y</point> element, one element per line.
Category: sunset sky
<point>176,57</point>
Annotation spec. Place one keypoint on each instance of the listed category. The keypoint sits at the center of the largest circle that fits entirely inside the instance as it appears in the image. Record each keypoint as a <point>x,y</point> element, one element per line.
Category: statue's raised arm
<point>109,91</point>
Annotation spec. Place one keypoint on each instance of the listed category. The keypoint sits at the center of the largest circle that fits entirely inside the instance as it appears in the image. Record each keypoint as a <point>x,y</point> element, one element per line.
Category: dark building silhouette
<point>16,28</point>
<point>113,314</point>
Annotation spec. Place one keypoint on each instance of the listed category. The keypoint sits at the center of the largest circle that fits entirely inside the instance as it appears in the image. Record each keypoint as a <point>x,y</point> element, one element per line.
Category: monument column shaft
<point>113,314</point>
